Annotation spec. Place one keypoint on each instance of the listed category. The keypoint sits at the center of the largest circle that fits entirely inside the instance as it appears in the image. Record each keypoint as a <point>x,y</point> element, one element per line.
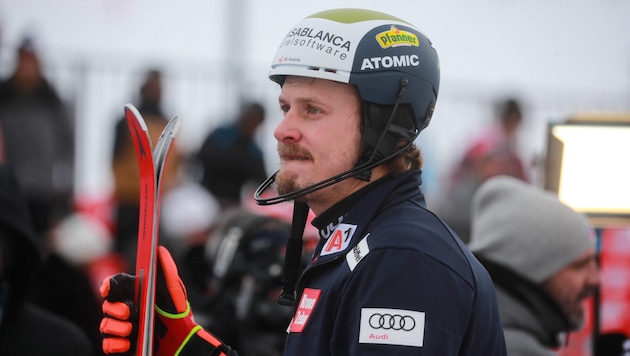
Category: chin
<point>576,320</point>
<point>286,182</point>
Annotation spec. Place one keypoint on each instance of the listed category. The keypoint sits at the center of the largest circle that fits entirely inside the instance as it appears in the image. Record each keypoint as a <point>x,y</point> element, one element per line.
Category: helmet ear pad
<point>379,135</point>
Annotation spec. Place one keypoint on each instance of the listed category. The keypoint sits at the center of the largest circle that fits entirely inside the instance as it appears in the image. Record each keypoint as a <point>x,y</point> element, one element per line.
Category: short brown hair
<point>408,159</point>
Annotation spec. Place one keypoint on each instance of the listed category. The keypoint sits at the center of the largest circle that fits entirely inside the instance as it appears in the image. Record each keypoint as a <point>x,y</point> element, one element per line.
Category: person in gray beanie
<point>541,256</point>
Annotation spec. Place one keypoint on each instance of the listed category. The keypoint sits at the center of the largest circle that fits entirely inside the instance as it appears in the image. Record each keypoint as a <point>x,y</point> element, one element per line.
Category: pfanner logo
<point>395,37</point>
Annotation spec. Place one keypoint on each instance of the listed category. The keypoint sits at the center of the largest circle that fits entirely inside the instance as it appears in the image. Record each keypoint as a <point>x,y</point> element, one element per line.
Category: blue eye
<point>313,110</point>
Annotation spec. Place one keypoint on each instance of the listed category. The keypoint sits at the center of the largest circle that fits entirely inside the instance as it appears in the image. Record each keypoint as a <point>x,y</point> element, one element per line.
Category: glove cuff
<point>178,334</point>
<point>205,344</point>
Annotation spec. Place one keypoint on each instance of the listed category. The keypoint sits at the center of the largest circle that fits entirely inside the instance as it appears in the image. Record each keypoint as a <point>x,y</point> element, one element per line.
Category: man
<point>26,328</point>
<point>231,159</point>
<point>491,154</point>
<point>38,138</point>
<point>387,276</point>
<point>541,256</point>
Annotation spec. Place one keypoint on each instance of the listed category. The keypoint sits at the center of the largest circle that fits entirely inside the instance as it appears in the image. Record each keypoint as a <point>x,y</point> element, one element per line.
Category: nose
<point>287,130</point>
<point>594,276</point>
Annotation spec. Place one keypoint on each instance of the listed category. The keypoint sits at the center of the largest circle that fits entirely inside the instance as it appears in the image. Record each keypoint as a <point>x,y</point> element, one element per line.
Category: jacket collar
<point>358,209</point>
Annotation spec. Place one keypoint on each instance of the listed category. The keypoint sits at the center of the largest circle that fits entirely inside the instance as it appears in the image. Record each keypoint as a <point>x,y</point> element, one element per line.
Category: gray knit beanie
<point>526,229</point>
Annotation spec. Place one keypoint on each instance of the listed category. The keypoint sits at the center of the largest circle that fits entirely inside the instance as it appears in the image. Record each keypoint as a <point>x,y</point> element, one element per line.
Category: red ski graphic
<point>151,162</point>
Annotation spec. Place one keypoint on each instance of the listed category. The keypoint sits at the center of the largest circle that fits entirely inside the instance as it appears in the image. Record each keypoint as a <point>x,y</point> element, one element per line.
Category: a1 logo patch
<point>339,239</point>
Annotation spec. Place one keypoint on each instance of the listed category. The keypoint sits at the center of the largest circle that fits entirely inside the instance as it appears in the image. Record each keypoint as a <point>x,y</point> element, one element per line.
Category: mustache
<point>292,150</point>
<point>587,293</point>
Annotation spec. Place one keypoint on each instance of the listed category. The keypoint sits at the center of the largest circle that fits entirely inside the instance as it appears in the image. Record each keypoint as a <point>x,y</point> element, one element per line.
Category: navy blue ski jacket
<point>390,278</point>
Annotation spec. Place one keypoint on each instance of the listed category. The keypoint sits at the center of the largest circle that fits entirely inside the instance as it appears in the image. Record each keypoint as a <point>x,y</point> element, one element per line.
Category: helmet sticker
<point>318,43</point>
<point>395,37</point>
<point>317,39</point>
<point>390,62</point>
<point>323,48</point>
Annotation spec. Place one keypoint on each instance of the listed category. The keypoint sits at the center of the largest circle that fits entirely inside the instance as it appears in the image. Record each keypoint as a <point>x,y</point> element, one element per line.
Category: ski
<point>151,162</point>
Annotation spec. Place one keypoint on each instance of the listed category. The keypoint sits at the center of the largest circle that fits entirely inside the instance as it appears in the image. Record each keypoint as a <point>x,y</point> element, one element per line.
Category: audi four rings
<point>392,322</point>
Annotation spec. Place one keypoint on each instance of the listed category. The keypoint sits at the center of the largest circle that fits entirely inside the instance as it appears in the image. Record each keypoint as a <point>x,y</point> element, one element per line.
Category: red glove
<point>175,333</point>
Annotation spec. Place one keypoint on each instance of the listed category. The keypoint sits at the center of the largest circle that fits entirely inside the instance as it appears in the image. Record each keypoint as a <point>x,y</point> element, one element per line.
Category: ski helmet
<point>391,63</point>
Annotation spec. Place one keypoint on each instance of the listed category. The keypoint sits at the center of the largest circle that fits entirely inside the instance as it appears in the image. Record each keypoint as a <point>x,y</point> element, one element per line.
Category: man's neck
<point>327,221</point>
<point>321,201</point>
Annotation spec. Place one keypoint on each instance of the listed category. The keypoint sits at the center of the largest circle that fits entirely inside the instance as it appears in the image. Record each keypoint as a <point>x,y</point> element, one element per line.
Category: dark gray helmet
<point>391,63</point>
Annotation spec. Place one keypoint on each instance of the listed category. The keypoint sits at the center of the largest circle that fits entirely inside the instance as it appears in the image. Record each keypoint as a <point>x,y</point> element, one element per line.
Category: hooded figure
<point>38,138</point>
<point>540,254</point>
<point>26,329</point>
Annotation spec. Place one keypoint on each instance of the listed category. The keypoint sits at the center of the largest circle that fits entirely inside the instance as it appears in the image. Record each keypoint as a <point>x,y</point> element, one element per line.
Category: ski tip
<point>131,113</point>
<point>131,108</point>
<point>178,124</point>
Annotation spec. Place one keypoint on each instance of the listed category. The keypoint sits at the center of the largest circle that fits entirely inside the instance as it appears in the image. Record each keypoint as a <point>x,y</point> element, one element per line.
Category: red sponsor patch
<point>303,312</point>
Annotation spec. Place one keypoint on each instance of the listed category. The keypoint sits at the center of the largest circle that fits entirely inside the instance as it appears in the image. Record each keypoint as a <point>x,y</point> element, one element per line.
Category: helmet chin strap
<point>293,255</point>
<point>361,171</point>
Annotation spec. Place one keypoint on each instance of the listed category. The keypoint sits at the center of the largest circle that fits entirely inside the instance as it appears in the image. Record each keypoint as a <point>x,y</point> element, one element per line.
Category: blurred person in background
<point>189,216</point>
<point>63,285</point>
<point>245,257</point>
<point>25,328</point>
<point>38,138</point>
<point>150,94</point>
<point>230,158</point>
<point>494,152</point>
<point>541,256</point>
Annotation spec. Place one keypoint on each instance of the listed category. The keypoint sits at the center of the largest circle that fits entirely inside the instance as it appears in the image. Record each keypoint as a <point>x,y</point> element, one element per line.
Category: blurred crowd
<point>229,250</point>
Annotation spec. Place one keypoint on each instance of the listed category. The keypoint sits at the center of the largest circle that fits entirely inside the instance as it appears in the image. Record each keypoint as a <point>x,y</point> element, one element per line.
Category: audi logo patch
<point>392,326</point>
<point>392,322</point>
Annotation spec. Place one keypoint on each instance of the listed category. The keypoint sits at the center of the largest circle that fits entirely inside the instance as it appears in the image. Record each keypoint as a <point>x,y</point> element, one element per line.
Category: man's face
<point>570,286</point>
<point>318,138</point>
<point>27,72</point>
